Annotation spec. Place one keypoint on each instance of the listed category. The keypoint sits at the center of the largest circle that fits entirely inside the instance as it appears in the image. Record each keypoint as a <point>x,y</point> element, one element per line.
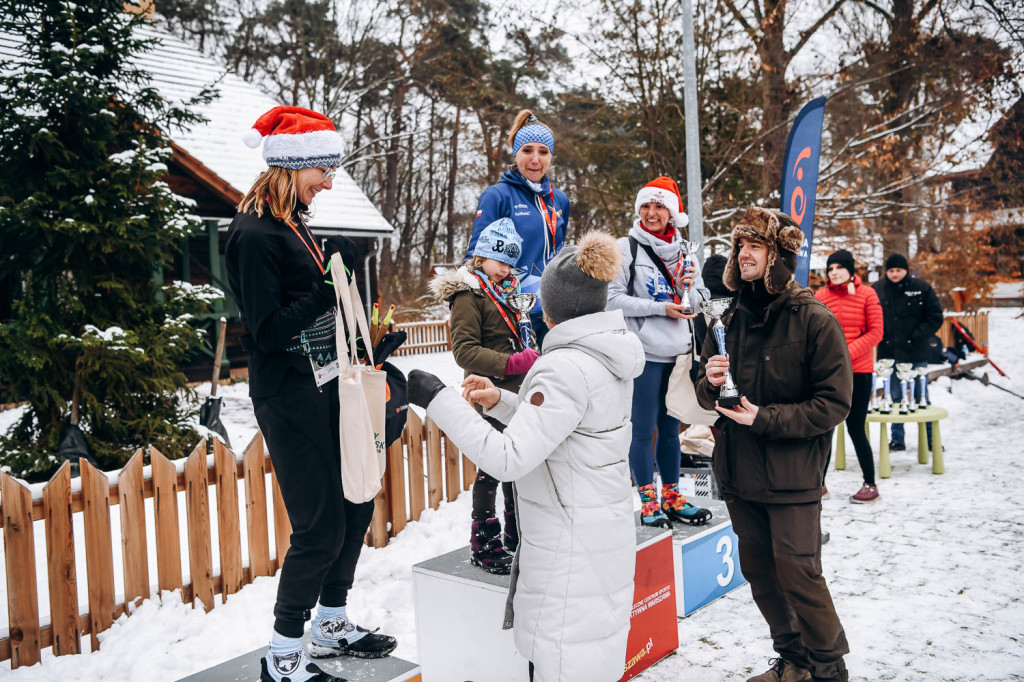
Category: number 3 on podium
<point>725,549</point>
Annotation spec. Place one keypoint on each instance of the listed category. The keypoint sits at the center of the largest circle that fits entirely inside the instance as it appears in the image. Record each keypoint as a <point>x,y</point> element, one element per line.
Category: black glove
<point>423,386</point>
<point>346,247</point>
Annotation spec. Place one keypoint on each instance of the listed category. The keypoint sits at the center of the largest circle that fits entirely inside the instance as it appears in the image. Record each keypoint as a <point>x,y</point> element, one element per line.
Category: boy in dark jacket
<point>790,361</point>
<point>912,314</point>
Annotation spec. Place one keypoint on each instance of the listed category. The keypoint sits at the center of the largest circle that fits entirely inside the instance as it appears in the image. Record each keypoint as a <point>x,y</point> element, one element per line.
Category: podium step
<point>706,559</point>
<point>460,608</point>
<point>246,668</point>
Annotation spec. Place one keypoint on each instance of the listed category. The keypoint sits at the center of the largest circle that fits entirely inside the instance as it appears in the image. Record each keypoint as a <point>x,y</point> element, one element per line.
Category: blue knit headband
<point>535,132</point>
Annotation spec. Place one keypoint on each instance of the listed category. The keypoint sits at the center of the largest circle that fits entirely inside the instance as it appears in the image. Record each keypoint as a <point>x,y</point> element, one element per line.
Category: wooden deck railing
<point>430,336</point>
<point>424,467</point>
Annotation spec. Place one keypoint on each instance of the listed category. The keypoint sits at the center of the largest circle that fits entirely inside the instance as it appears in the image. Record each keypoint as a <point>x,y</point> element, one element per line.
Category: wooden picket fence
<point>430,336</point>
<point>424,467</point>
<point>975,323</point>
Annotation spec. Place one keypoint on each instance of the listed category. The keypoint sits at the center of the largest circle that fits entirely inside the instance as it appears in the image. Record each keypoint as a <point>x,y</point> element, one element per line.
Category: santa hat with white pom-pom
<point>296,138</point>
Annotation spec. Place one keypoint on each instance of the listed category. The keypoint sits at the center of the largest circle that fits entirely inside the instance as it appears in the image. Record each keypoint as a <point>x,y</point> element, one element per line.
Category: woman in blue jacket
<point>524,194</point>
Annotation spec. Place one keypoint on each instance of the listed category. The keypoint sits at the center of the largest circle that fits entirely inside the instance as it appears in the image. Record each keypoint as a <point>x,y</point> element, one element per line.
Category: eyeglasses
<point>330,173</point>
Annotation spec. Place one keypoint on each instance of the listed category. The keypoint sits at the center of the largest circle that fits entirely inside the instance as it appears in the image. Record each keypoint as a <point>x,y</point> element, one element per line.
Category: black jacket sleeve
<point>271,323</point>
<point>931,315</point>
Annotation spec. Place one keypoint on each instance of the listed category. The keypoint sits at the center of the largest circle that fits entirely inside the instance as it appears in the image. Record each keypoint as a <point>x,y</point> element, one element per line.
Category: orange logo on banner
<point>798,199</point>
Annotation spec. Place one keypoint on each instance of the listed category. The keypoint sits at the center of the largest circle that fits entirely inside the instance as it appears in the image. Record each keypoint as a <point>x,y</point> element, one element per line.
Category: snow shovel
<point>209,412</point>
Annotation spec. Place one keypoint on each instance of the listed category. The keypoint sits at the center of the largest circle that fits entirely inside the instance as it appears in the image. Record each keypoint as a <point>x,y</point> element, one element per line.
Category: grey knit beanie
<point>575,282</point>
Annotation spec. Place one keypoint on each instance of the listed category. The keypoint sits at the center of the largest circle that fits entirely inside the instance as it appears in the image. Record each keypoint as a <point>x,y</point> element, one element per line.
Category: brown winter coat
<point>794,364</point>
<point>481,341</point>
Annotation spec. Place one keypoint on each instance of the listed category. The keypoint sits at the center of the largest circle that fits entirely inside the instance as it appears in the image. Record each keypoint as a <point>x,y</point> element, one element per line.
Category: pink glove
<point>521,362</point>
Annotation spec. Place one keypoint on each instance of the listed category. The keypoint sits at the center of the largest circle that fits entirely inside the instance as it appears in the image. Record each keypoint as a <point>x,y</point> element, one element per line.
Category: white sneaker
<point>291,667</point>
<point>331,637</point>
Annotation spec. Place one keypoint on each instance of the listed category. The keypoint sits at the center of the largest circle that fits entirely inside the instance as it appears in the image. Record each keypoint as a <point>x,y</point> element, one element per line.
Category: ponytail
<point>540,132</point>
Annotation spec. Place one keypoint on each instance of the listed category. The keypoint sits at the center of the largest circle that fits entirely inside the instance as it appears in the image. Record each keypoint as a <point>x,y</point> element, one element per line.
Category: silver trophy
<point>688,248</point>
<point>728,394</point>
<point>922,386</point>
<point>884,369</point>
<point>903,371</point>
<point>874,403</point>
<point>523,304</point>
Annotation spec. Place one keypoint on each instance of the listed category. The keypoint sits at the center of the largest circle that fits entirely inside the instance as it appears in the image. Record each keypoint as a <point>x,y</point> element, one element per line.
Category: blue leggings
<point>649,412</point>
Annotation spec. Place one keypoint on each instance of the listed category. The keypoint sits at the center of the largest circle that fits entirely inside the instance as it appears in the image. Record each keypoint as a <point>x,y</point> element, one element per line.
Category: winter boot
<point>677,508</point>
<point>338,636</point>
<point>510,535</point>
<point>782,671</point>
<point>650,512</point>
<point>293,667</point>
<point>488,553</point>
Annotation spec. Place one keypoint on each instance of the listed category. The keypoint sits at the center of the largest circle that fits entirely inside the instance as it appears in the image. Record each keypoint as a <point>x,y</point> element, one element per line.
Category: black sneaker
<point>896,447</point>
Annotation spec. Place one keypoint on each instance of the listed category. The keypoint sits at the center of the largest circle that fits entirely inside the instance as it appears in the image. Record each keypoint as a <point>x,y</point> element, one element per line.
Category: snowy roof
<point>179,72</point>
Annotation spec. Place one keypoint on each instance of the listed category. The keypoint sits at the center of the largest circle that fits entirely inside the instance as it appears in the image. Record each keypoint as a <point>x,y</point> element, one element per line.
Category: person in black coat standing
<point>911,314</point>
<point>278,274</point>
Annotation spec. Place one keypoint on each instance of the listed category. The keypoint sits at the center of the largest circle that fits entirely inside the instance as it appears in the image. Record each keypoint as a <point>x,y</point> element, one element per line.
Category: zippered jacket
<point>663,337</point>
<point>512,198</point>
<point>481,340</point>
<point>791,361</point>
<point>912,313</point>
<point>860,316</point>
<point>565,447</point>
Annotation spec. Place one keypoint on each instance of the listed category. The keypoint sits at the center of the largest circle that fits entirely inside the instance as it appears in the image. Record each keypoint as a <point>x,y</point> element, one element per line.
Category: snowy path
<point>927,582</point>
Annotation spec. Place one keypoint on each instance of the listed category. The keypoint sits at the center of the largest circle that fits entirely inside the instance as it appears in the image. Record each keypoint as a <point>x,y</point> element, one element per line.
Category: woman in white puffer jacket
<point>565,446</point>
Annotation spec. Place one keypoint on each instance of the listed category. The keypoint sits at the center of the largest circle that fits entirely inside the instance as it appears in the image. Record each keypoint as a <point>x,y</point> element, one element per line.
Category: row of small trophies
<point>913,381</point>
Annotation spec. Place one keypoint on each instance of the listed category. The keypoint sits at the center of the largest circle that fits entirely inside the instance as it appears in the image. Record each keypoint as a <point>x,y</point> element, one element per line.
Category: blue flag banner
<point>800,177</point>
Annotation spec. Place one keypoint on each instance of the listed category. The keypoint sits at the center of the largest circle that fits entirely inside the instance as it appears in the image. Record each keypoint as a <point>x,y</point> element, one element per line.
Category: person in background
<point>790,362</point>
<point>652,289</point>
<point>565,447</point>
<point>711,273</point>
<point>856,307</point>
<point>525,195</point>
<point>278,274</point>
<point>485,340</point>
<point>912,314</point>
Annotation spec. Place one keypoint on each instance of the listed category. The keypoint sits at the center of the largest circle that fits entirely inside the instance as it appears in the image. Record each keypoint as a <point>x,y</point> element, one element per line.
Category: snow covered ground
<point>926,582</point>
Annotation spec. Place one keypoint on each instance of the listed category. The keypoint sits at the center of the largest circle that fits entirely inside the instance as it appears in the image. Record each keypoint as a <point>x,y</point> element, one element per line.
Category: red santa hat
<point>664,191</point>
<point>295,138</point>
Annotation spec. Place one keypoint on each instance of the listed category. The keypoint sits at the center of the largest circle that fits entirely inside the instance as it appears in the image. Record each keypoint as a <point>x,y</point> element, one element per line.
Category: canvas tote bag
<point>361,396</point>
<point>680,398</point>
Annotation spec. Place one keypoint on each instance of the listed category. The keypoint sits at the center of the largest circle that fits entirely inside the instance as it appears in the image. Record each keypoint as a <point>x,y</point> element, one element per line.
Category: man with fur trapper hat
<point>790,361</point>
<point>565,446</point>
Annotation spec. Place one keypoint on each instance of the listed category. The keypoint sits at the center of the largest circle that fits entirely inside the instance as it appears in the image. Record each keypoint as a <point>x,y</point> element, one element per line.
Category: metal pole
<point>694,204</point>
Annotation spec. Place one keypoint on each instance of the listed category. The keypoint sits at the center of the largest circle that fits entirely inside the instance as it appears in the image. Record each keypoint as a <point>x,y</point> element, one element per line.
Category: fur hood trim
<point>445,286</point>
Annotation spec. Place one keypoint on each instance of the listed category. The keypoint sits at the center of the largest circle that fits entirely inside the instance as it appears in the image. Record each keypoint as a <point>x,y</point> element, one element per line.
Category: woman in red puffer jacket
<point>859,313</point>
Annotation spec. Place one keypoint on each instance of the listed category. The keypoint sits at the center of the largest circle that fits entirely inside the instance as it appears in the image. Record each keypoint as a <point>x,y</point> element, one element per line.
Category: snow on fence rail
<point>423,468</point>
<point>975,323</point>
<point>430,336</point>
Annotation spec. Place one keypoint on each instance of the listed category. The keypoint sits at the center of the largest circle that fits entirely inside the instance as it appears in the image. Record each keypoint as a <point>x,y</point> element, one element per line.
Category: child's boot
<point>677,508</point>
<point>488,553</point>
<point>650,513</point>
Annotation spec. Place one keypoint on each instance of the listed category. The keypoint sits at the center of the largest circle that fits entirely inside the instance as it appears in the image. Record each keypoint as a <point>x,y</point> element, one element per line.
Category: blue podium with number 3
<point>706,558</point>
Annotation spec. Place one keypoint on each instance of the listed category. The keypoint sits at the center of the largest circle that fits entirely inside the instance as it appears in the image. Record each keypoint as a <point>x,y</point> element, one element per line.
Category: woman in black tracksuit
<point>277,272</point>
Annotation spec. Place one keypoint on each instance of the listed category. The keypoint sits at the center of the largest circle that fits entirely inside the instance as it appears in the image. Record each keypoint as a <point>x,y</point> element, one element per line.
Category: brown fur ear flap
<point>731,274</point>
<point>791,238</point>
<point>598,256</point>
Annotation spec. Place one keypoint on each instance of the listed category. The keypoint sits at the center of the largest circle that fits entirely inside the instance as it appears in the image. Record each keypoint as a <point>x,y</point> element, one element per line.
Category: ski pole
<point>974,344</point>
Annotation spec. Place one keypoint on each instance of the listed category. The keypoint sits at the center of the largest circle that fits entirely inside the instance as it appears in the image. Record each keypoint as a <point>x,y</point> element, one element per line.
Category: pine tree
<point>86,225</point>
